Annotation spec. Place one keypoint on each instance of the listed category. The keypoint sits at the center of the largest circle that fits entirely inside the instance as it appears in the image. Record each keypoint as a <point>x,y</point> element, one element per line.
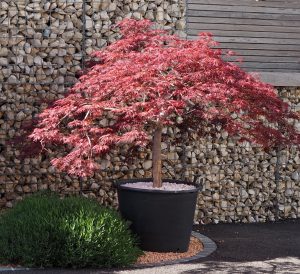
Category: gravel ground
<point>242,248</point>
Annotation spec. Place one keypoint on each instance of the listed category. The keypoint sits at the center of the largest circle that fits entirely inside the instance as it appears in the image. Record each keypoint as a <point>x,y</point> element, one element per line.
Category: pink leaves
<point>134,136</point>
<point>149,77</point>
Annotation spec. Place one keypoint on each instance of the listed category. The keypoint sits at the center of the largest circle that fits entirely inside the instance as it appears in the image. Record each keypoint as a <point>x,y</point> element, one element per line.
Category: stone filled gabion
<point>43,44</point>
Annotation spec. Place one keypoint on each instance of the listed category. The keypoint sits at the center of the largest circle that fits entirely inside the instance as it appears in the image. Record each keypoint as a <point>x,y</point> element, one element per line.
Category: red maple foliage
<point>149,79</point>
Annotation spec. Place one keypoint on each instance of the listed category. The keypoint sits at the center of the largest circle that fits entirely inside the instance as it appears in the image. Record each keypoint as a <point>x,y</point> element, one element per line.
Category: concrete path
<point>242,248</point>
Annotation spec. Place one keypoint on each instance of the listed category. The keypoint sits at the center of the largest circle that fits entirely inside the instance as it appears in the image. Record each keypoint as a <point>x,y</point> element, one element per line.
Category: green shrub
<point>44,230</point>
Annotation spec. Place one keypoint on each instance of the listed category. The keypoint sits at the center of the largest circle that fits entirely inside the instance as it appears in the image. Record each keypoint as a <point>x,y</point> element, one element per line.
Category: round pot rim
<point>120,185</point>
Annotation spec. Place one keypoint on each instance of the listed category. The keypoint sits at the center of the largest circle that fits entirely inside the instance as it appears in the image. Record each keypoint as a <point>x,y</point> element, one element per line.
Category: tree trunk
<point>156,157</point>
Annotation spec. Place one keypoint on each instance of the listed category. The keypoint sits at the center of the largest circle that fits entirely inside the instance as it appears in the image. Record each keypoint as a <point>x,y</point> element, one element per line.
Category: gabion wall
<point>43,43</point>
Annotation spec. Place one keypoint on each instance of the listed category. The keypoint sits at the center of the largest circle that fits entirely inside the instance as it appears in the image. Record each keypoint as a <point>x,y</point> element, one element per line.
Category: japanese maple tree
<point>148,80</point>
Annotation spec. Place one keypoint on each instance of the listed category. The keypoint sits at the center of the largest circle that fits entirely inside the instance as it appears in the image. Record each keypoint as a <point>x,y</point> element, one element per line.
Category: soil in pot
<point>166,186</point>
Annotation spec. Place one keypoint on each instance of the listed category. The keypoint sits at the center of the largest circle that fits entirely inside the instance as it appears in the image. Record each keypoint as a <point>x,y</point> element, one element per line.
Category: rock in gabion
<point>43,45</point>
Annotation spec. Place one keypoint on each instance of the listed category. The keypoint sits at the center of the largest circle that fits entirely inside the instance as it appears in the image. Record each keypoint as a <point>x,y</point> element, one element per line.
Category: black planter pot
<point>163,220</point>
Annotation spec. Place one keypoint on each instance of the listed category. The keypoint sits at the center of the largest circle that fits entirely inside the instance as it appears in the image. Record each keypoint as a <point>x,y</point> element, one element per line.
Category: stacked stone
<point>102,15</point>
<point>289,186</point>
<point>239,183</point>
<point>43,44</point>
<point>38,59</point>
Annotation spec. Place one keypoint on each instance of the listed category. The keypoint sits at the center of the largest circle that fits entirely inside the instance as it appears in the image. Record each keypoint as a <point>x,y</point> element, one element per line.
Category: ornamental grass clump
<point>148,80</point>
<point>46,231</point>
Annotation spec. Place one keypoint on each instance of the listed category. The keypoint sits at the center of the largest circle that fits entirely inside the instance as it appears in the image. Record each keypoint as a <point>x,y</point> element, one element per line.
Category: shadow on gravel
<point>253,242</point>
<point>237,268</point>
